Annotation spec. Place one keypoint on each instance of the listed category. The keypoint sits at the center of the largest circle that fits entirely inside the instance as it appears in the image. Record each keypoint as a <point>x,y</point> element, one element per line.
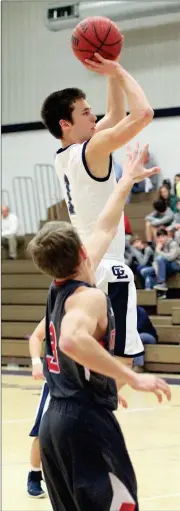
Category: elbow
<point>146,116</point>
<point>66,345</point>
<point>149,114</point>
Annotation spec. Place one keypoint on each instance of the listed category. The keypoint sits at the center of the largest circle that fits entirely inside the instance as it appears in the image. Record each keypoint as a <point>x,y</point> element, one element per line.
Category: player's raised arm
<point>35,347</point>
<point>141,113</point>
<point>115,106</point>
<point>107,223</point>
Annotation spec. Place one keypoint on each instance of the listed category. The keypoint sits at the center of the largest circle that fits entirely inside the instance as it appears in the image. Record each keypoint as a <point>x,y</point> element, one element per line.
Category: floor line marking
<point>16,421</point>
<point>148,409</point>
<point>166,496</point>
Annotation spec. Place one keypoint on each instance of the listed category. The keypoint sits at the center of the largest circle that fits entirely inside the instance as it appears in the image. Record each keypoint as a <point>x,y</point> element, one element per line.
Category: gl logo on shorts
<point>119,272</point>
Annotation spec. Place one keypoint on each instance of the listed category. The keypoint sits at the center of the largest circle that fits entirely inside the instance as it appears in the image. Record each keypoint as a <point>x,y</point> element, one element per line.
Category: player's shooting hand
<point>134,165</point>
<point>37,371</point>
<point>102,66</point>
<point>122,401</point>
<point>150,383</point>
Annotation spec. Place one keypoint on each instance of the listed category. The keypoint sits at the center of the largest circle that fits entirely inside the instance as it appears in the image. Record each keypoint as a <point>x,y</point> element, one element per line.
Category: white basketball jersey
<point>86,195</point>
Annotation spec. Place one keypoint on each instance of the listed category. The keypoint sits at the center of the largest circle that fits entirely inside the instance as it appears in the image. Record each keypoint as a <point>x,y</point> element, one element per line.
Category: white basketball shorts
<point>117,280</point>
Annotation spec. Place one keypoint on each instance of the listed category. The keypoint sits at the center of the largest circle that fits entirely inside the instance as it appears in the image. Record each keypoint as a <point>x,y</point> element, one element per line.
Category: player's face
<point>84,121</point>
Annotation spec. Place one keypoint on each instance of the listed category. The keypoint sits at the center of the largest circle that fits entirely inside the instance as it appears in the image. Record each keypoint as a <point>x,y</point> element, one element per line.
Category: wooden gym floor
<point>152,434</point>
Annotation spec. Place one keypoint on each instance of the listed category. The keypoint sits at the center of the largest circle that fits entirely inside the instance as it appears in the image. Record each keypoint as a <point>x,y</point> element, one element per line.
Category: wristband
<point>36,361</point>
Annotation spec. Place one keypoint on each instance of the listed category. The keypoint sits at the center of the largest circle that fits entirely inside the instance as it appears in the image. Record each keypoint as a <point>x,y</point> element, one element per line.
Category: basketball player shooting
<point>85,170</point>
<point>85,461</point>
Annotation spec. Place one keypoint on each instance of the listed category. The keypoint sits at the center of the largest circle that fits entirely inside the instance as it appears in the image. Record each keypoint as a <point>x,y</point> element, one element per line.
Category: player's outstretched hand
<point>37,371</point>
<point>134,165</point>
<point>151,383</point>
<point>122,401</point>
<point>102,66</point>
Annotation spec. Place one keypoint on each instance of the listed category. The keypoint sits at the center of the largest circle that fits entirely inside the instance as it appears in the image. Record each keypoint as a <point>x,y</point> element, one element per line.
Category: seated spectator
<point>118,174</point>
<point>148,277</point>
<point>177,185</point>
<point>117,169</point>
<point>175,226</point>
<point>167,259</point>
<point>166,262</point>
<point>148,184</point>
<point>149,163</point>
<point>169,199</point>
<point>160,217</point>
<point>167,182</point>
<point>147,333</point>
<point>9,230</point>
<point>143,186</point>
<point>141,255</point>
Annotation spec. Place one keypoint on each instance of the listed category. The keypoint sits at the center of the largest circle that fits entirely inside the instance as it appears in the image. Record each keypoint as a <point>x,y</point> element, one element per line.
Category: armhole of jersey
<point>76,285</point>
<point>100,179</point>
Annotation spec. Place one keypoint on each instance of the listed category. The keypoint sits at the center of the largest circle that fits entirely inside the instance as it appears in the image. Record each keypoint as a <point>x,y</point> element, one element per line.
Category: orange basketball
<point>96,34</point>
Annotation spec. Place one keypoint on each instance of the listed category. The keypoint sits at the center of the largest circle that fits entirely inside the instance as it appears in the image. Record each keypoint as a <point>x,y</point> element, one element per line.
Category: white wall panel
<point>36,61</point>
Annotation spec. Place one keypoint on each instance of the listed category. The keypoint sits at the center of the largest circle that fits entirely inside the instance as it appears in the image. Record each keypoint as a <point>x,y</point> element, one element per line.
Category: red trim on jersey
<point>127,506</point>
<point>102,343</point>
<point>60,282</point>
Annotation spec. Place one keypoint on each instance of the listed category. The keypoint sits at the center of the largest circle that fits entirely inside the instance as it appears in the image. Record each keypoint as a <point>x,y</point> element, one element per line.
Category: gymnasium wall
<point>36,61</point>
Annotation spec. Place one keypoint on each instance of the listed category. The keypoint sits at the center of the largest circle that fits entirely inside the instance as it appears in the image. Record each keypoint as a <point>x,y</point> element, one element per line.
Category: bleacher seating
<point>22,242</point>
<point>24,293</point>
<point>136,213</point>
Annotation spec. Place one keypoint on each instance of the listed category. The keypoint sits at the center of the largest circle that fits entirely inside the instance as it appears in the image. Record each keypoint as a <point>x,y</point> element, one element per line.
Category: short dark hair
<point>59,105</point>
<point>55,249</point>
<point>160,206</point>
<point>167,183</point>
<point>161,232</point>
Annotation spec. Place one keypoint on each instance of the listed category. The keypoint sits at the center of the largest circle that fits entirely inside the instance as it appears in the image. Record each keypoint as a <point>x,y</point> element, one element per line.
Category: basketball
<point>96,34</point>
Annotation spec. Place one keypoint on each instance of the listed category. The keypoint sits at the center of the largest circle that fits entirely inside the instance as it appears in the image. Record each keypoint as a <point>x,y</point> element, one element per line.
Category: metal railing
<point>5,198</point>
<point>48,191</point>
<point>33,197</point>
<point>26,203</point>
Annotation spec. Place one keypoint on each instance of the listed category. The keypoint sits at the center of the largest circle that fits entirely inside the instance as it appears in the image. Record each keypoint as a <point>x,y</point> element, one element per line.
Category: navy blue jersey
<point>65,377</point>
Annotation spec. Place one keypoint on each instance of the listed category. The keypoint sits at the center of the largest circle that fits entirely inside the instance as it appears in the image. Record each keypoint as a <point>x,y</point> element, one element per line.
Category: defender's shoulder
<point>86,297</point>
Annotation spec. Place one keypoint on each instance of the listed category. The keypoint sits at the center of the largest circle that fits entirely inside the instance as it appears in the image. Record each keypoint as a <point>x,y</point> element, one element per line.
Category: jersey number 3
<point>52,360</point>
